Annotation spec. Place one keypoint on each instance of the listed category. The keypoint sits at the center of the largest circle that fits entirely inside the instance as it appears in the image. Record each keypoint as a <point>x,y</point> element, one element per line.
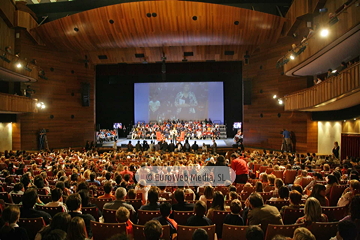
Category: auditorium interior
<point>275,70</point>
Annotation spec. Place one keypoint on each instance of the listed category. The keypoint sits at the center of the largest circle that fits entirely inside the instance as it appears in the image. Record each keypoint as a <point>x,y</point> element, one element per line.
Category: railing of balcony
<point>332,88</point>
<point>18,104</point>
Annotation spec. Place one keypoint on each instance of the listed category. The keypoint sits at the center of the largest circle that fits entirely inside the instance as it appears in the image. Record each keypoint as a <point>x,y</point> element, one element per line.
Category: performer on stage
<point>238,139</point>
<point>173,134</point>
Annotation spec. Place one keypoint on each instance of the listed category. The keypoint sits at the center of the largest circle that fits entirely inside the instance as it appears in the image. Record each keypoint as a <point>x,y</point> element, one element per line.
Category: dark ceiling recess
<point>63,8</point>
<point>102,57</point>
<point>229,52</point>
<point>188,54</point>
<point>139,55</point>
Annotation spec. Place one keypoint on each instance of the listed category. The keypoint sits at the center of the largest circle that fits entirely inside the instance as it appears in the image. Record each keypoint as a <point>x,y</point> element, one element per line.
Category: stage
<point>221,143</point>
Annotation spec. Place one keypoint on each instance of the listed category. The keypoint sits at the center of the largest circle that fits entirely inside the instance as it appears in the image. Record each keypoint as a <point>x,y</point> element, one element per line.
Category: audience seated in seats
<point>259,187</point>
<point>346,230</point>
<point>199,218</point>
<point>208,194</point>
<point>354,215</point>
<point>153,197</point>
<point>312,212</point>
<point>299,179</point>
<point>131,194</point>
<point>200,234</point>
<point>302,233</point>
<point>143,189</point>
<point>278,183</point>
<point>93,180</point>
<point>123,216</point>
<point>57,199</point>
<point>318,192</point>
<point>77,229</point>
<point>349,193</point>
<point>317,177</point>
<point>181,204</point>
<point>73,203</point>
<point>59,221</point>
<point>85,200</point>
<point>120,195</point>
<point>254,233</point>
<point>18,189</point>
<point>260,213</point>
<point>61,185</point>
<point>107,190</point>
<point>234,218</point>
<point>40,184</point>
<point>217,204</point>
<point>283,194</point>
<point>153,230</point>
<point>294,200</point>
<point>118,182</point>
<point>9,229</point>
<point>29,199</point>
<point>164,219</point>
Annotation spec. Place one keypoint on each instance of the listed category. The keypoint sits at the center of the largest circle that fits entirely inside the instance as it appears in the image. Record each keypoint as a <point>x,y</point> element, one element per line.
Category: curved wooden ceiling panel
<point>172,26</point>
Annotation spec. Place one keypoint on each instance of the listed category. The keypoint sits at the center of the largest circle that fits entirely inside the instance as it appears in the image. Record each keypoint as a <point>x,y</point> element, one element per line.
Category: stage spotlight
<point>280,101</point>
<point>274,97</point>
<point>354,119</point>
<point>292,57</point>
<point>324,32</point>
<point>344,120</point>
<point>18,65</point>
<point>334,71</point>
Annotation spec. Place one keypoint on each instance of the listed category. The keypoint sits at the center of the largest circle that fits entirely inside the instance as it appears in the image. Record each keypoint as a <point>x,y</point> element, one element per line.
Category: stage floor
<point>228,142</point>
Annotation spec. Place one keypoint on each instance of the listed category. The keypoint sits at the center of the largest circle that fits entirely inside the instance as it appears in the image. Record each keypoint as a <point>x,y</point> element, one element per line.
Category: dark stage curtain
<point>350,145</point>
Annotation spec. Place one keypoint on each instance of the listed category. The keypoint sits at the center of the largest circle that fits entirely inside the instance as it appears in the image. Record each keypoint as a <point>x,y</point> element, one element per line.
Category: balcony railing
<point>333,88</point>
<point>17,104</point>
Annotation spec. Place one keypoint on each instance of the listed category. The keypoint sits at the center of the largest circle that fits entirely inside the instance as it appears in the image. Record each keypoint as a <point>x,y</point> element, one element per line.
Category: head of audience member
<point>278,183</point>
<point>165,209</point>
<point>326,167</point>
<point>256,200</point>
<point>85,197</point>
<point>18,187</point>
<point>10,215</point>
<point>254,232</point>
<point>302,233</point>
<point>56,234</point>
<point>218,201</point>
<point>131,194</point>
<point>92,177</point>
<point>355,208</point>
<point>60,221</point>
<point>318,176</point>
<point>271,179</point>
<point>200,234</point>
<point>56,195</point>
<point>298,188</point>
<point>259,187</point>
<point>108,176</point>
<point>118,179</point>
<point>233,195</point>
<point>73,202</point>
<point>209,192</point>
<point>235,206</point>
<point>122,215</point>
<point>312,210</point>
<point>179,195</point>
<point>283,192</point>
<point>61,185</point>
<point>263,177</point>
<point>25,180</point>
<point>346,230</point>
<point>153,230</point>
<point>220,161</point>
<point>200,208</point>
<point>82,186</point>
<point>355,186</point>
<point>107,187</point>
<point>153,196</point>
<point>77,229</point>
<point>120,194</point>
<point>295,197</point>
<point>29,198</point>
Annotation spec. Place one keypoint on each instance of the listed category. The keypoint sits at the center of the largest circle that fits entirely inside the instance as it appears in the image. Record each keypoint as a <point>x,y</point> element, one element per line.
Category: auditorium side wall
<point>264,119</point>
<point>69,124</point>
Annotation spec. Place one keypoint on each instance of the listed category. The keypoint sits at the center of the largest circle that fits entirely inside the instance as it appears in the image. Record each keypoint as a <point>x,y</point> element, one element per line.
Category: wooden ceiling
<point>157,27</point>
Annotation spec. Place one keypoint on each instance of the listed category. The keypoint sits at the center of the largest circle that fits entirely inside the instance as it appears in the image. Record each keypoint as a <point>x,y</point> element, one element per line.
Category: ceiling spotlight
<point>274,97</point>
<point>324,32</point>
<point>280,101</point>
<point>344,120</point>
<point>18,65</point>
<point>292,57</point>
<point>354,119</point>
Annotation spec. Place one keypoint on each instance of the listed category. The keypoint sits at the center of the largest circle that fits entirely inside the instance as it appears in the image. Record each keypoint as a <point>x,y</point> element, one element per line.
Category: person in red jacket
<point>240,167</point>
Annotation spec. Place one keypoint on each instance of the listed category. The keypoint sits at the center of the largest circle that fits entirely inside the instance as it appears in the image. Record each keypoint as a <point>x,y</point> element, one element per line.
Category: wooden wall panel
<point>16,136</point>
<point>62,95</point>
<point>7,36</point>
<point>264,119</point>
<point>351,126</point>
<point>7,10</point>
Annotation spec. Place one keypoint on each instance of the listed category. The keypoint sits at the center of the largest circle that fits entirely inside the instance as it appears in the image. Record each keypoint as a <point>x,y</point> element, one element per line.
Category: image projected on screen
<point>178,101</point>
